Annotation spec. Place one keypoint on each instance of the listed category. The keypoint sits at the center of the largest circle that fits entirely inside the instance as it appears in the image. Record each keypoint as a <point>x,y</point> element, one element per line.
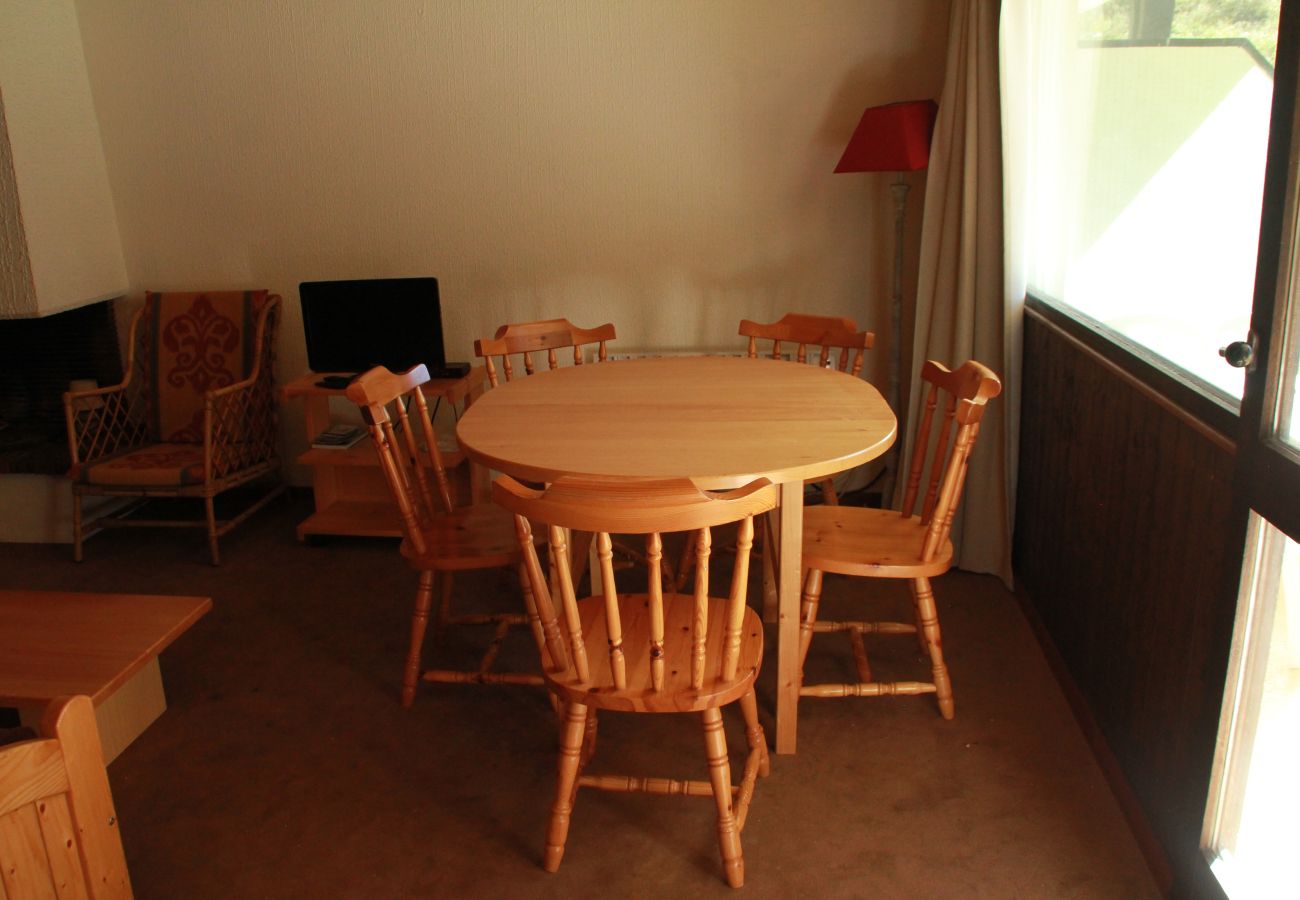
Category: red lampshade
<point>891,138</point>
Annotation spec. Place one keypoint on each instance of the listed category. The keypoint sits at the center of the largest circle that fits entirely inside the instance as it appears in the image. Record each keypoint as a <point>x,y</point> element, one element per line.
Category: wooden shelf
<point>363,454</point>
<point>362,518</point>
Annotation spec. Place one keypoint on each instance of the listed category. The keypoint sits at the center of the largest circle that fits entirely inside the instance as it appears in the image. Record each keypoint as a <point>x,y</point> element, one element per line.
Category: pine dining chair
<point>441,539</point>
<point>836,342</point>
<point>652,652</point>
<point>517,342</point>
<point>911,544</point>
<point>59,835</point>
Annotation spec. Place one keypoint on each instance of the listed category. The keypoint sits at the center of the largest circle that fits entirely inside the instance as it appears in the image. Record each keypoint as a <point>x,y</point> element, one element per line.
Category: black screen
<point>352,326</point>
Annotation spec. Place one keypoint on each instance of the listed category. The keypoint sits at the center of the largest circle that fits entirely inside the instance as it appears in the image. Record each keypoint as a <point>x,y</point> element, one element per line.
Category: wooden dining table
<point>720,421</point>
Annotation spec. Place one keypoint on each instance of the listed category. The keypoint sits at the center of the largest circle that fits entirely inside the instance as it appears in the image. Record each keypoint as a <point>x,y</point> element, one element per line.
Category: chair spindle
<point>700,635</point>
<point>736,599</point>
<point>922,440</point>
<point>613,621</point>
<point>562,569</point>
<point>654,552</point>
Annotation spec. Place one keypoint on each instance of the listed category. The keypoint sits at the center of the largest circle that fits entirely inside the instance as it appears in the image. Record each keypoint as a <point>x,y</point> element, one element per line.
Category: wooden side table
<point>351,495</point>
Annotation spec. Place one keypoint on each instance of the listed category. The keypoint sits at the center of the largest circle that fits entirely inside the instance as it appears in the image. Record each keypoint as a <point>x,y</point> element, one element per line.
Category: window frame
<point>1200,400</point>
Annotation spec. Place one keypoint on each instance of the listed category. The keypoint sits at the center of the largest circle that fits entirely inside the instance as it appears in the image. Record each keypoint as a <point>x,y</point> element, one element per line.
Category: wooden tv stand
<point>351,495</point>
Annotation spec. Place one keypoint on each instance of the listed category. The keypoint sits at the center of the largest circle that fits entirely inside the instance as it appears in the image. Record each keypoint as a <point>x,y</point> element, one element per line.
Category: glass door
<point>1252,825</point>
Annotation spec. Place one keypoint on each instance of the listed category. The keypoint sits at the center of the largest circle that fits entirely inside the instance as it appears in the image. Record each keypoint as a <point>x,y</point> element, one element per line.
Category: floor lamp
<point>893,138</point>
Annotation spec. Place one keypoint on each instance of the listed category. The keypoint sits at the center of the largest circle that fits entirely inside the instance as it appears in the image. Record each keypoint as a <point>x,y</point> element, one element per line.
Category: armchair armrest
<point>102,422</point>
<point>238,427</point>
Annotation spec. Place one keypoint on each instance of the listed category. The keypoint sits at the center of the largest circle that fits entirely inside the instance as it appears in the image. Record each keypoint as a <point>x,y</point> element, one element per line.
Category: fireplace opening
<point>39,358</point>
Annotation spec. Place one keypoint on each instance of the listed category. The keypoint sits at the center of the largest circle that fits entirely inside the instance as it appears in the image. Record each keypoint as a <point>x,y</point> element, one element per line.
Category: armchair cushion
<point>155,465</point>
<point>204,342</point>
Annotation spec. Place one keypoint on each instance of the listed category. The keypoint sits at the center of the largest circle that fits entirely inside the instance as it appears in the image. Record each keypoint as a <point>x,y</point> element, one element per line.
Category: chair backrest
<point>184,345</point>
<point>401,428</point>
<point>523,339</point>
<point>823,333</point>
<point>942,469</point>
<point>58,830</point>
<point>651,508</point>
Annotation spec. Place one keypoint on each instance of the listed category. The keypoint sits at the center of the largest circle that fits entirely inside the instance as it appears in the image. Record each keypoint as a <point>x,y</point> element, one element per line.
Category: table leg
<point>480,477</point>
<point>790,539</point>
<point>480,483</point>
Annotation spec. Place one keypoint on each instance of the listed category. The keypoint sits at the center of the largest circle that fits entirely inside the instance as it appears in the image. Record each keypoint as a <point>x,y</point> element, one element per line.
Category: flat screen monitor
<point>352,326</point>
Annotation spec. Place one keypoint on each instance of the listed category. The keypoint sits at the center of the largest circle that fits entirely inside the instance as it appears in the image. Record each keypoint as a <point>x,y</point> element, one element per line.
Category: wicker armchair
<point>194,416</point>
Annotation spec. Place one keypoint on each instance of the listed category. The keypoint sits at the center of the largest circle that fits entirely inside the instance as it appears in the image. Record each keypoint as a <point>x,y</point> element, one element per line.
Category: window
<point>1250,830</point>
<point>1144,126</point>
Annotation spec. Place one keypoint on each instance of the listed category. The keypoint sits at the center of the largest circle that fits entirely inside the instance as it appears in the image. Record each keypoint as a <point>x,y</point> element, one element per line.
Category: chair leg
<point>715,745</point>
<point>588,751</point>
<point>829,497</point>
<point>76,527</point>
<point>571,741</point>
<point>444,608</point>
<point>588,739</point>
<point>929,616</point>
<point>754,735</point>
<point>812,595</point>
<point>419,622</point>
<point>920,626</point>
<point>209,508</point>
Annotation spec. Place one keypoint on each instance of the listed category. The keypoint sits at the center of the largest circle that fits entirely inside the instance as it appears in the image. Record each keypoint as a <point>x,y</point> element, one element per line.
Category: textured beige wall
<point>660,164</point>
<point>58,232</point>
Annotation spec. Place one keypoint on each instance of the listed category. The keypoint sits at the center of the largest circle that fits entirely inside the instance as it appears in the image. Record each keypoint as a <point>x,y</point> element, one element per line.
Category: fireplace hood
<point>59,243</point>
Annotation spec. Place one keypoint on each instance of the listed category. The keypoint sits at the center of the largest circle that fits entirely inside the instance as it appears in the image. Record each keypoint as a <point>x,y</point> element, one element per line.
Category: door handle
<point>1239,354</point>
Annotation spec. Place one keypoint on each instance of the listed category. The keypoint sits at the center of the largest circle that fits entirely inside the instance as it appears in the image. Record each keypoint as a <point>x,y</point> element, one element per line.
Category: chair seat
<point>876,543</point>
<point>153,465</point>
<point>481,536</point>
<point>677,694</point>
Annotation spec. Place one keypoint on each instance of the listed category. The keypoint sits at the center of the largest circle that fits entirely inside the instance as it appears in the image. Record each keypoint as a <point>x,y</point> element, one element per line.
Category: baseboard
<point>38,509</point>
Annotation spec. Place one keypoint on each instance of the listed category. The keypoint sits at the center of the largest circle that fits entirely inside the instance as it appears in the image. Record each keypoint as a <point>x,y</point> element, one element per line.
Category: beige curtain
<point>961,305</point>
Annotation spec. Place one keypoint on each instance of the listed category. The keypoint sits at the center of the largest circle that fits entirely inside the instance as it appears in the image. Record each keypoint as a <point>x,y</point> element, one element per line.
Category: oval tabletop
<point>721,421</point>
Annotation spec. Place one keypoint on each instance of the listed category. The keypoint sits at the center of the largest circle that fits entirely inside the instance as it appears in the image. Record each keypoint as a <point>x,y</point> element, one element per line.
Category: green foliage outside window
<point>1255,20</point>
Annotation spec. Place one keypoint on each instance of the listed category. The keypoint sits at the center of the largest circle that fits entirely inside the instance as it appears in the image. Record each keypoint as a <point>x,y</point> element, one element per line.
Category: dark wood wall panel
<point>1121,547</point>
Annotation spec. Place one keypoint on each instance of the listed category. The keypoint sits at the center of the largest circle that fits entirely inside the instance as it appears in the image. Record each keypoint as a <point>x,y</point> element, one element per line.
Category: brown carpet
<point>285,767</point>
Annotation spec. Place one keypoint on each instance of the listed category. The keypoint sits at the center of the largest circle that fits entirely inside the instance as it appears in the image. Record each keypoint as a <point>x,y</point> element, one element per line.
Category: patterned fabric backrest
<point>196,342</point>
